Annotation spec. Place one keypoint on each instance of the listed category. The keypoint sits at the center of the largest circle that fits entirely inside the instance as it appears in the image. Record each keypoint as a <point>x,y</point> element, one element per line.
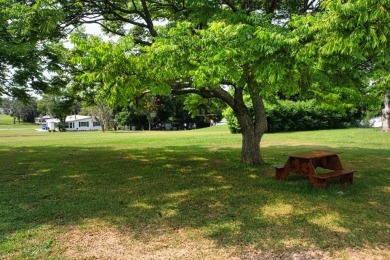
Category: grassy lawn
<point>184,195</point>
<point>7,123</point>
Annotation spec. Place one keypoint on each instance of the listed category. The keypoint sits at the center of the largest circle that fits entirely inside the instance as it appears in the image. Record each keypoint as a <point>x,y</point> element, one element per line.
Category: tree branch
<point>169,5</point>
<point>271,8</point>
<point>148,19</point>
<point>230,5</point>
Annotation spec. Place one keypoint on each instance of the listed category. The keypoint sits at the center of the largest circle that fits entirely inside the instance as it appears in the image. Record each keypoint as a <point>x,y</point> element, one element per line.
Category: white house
<point>375,122</point>
<point>50,124</point>
<point>75,123</point>
<point>42,120</point>
<point>81,123</point>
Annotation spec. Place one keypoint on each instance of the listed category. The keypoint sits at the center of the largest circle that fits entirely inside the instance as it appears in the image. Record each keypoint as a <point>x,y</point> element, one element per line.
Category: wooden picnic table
<point>306,163</point>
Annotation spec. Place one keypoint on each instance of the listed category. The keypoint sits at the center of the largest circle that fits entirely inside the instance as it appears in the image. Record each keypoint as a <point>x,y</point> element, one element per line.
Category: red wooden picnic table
<point>305,163</point>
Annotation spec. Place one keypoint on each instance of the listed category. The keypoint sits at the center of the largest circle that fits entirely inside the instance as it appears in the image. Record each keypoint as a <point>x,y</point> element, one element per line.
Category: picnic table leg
<point>347,178</point>
<point>333,162</point>
<point>318,183</point>
<point>280,172</point>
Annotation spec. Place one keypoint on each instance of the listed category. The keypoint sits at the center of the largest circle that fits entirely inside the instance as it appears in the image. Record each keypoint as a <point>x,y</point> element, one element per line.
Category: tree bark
<point>253,123</point>
<point>252,131</point>
<point>253,126</point>
<point>250,151</point>
<point>386,113</point>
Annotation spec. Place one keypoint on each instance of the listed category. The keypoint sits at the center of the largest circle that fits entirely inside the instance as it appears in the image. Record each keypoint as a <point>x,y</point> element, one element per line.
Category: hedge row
<point>300,116</point>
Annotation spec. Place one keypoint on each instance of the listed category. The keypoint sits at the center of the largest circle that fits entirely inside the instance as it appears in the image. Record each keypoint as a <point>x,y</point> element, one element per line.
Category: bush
<point>231,120</point>
<point>61,127</point>
<point>299,116</point>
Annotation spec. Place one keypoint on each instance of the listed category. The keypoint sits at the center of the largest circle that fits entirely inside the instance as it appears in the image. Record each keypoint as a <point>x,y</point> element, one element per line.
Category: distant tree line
<point>19,110</point>
<point>165,109</point>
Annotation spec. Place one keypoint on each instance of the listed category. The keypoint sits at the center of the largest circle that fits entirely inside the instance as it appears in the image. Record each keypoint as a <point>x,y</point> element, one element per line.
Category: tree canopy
<point>349,41</point>
<point>27,32</point>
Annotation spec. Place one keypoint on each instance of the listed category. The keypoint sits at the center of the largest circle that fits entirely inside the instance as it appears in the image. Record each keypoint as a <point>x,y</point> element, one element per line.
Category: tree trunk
<point>386,113</point>
<point>252,130</point>
<point>253,126</point>
<point>253,123</point>
<point>250,153</point>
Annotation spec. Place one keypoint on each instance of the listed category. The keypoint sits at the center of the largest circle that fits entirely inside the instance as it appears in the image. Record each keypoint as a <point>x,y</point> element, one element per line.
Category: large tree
<point>216,49</point>
<point>230,50</point>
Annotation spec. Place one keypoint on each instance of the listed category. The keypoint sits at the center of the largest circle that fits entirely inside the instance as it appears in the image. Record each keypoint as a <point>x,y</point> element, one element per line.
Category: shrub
<point>299,116</point>
<point>231,120</point>
<point>61,127</point>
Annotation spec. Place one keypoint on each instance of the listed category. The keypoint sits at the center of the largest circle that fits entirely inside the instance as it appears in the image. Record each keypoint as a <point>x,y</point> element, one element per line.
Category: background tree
<point>124,118</point>
<point>21,110</point>
<point>29,111</point>
<point>59,106</point>
<point>172,109</point>
<point>130,118</point>
<point>203,111</point>
<point>102,112</point>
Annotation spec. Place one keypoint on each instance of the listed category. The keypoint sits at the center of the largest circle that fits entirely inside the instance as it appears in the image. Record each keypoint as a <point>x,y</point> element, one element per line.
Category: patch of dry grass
<point>94,240</point>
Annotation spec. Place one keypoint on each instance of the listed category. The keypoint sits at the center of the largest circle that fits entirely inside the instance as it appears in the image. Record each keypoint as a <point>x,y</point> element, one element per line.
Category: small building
<point>2,110</point>
<point>41,120</point>
<point>81,123</point>
<point>50,124</point>
<point>75,123</point>
<point>375,122</point>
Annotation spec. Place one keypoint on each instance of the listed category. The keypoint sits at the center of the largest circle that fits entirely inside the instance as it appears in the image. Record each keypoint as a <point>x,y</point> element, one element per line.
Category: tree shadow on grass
<point>149,190</point>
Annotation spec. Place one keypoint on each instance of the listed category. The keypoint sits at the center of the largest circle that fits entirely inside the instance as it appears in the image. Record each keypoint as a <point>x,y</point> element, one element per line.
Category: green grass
<point>7,123</point>
<point>186,190</point>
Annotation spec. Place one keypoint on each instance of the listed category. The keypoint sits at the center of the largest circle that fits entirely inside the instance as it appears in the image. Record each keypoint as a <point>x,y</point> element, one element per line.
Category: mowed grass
<point>7,123</point>
<point>185,195</point>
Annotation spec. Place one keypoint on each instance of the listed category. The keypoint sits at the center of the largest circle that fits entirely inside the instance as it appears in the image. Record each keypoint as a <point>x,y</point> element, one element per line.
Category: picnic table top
<point>313,154</point>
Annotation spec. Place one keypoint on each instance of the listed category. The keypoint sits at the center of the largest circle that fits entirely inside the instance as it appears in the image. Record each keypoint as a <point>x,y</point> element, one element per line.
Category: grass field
<point>184,195</point>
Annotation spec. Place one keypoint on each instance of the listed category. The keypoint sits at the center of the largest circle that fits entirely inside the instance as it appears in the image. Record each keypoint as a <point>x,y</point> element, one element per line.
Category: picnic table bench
<point>306,163</point>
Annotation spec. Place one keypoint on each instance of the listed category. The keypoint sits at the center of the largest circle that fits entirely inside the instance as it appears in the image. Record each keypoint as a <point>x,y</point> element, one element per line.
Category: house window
<point>69,125</point>
<point>96,124</point>
<point>83,124</point>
